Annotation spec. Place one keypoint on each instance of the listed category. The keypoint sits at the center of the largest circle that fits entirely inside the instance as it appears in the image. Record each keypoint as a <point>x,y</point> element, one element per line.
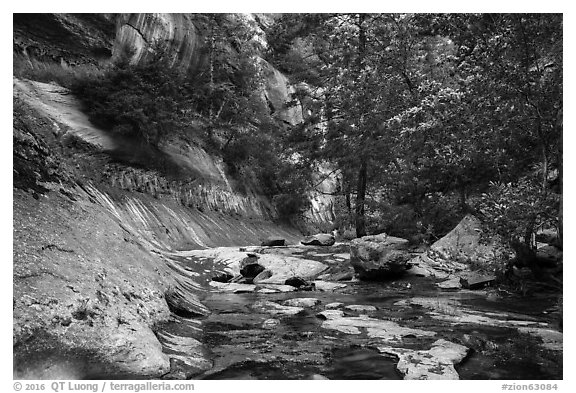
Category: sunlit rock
<point>436,363</point>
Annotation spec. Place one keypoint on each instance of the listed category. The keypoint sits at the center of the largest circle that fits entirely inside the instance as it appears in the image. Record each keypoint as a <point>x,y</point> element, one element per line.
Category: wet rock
<point>327,286</point>
<point>375,328</point>
<point>452,283</point>
<point>273,242</point>
<point>331,306</point>
<point>181,303</point>
<point>267,290</point>
<point>276,288</point>
<point>318,377</point>
<point>417,270</point>
<point>451,310</point>
<point>360,307</point>
<point>275,308</point>
<point>224,277</point>
<point>321,239</point>
<point>436,363</point>
<point>282,267</point>
<point>475,280</point>
<point>262,276</point>
<point>296,282</point>
<point>252,270</point>
<point>551,339</point>
<point>330,314</point>
<point>379,257</point>
<point>179,340</point>
<point>270,323</point>
<point>302,302</point>
<point>233,287</point>
<point>344,276</point>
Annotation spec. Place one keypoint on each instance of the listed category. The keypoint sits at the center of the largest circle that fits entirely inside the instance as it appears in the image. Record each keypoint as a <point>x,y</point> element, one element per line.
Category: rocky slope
<point>96,226</point>
<point>93,282</point>
<point>71,39</point>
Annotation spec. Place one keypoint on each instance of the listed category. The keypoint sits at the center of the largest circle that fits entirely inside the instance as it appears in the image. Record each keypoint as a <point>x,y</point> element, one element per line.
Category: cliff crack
<point>139,32</point>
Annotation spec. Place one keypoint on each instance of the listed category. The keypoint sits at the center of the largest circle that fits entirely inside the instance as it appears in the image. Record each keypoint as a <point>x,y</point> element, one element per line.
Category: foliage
<point>147,101</point>
<point>517,210</point>
<point>64,75</point>
<point>420,112</point>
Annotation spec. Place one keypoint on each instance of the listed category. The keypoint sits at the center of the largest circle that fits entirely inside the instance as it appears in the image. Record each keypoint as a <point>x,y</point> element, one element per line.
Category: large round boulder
<point>379,257</point>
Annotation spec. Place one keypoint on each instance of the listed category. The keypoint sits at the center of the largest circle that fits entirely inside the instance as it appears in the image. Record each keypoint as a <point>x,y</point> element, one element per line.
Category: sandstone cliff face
<point>94,279</point>
<point>94,275</point>
<point>278,93</point>
<point>135,33</point>
<point>98,38</point>
<point>66,38</point>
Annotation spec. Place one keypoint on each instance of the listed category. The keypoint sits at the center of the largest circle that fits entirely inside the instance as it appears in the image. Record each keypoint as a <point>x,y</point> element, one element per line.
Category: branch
<point>325,177</point>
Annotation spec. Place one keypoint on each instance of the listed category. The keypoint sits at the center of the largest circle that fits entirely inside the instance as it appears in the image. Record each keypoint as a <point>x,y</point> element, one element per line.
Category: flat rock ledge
<point>436,363</point>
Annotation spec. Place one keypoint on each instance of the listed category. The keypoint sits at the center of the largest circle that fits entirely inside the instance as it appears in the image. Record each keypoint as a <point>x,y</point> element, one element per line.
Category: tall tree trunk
<point>363,171</point>
<point>361,199</point>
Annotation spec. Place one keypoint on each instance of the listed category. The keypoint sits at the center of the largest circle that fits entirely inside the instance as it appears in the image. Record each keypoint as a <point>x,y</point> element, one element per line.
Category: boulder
<point>452,283</point>
<point>296,282</point>
<point>379,257</point>
<point>321,239</point>
<point>465,244</point>
<point>252,270</point>
<point>273,242</point>
<point>224,277</point>
<point>263,275</point>
<point>474,280</point>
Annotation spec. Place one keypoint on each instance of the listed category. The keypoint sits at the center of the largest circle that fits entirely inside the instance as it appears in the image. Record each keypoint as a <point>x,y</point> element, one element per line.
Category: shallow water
<point>248,343</point>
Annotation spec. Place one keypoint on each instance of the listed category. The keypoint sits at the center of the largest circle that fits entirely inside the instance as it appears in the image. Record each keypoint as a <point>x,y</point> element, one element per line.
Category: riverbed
<point>407,328</point>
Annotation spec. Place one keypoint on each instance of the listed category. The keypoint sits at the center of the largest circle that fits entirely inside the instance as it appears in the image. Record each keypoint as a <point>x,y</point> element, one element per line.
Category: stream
<point>362,330</point>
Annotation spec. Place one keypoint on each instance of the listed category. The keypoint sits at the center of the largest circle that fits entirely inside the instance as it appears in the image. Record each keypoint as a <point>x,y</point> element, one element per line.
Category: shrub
<point>47,72</point>
<point>147,101</point>
<point>517,210</point>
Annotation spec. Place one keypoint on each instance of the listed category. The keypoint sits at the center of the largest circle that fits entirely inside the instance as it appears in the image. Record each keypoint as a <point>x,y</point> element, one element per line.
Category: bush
<point>147,101</point>
<point>47,72</point>
<point>517,210</point>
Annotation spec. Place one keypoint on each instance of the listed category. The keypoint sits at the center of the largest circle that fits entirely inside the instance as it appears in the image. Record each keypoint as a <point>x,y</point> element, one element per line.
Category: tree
<point>366,67</point>
<point>417,105</point>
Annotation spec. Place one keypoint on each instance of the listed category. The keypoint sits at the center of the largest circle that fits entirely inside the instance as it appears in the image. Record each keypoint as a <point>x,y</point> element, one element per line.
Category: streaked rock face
<point>135,33</point>
<point>100,38</point>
